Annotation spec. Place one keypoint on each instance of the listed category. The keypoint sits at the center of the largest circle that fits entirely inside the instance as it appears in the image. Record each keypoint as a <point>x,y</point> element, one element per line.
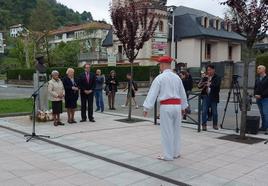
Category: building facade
<point>263,44</point>
<point>2,45</point>
<point>157,46</point>
<point>16,30</point>
<point>90,37</point>
<point>201,37</point>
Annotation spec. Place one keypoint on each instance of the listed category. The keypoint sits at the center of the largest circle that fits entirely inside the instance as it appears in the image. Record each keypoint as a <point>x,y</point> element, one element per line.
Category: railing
<point>92,56</point>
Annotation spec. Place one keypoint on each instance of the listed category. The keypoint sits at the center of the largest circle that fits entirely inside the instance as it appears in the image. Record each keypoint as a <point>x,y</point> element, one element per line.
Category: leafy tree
<point>133,25</point>
<point>250,19</point>
<point>19,11</point>
<point>42,20</point>
<point>18,51</point>
<point>86,16</point>
<point>66,54</point>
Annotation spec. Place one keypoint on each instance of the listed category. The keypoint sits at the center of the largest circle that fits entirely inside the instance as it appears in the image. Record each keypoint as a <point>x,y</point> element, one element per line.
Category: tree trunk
<point>245,97</point>
<point>47,50</point>
<point>27,52</point>
<point>130,91</point>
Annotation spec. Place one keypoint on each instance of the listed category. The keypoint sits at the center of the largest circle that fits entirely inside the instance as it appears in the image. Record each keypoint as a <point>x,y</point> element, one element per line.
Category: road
<point>12,92</point>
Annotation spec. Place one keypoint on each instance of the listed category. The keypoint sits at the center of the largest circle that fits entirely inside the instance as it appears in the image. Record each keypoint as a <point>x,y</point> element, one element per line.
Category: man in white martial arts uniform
<point>169,90</point>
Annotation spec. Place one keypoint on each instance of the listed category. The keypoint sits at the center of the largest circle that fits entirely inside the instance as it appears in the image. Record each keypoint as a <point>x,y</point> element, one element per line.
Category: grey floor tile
<point>207,180</point>
<point>161,167</point>
<point>127,178</point>
<point>182,174</point>
<point>152,182</point>
<point>15,182</point>
<point>107,171</point>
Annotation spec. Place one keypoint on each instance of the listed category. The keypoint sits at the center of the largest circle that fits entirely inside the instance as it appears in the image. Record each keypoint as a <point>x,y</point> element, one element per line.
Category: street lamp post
<point>172,25</point>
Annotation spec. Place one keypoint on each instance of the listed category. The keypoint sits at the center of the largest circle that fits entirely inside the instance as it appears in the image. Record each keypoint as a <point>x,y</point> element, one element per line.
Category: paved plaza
<point>110,152</point>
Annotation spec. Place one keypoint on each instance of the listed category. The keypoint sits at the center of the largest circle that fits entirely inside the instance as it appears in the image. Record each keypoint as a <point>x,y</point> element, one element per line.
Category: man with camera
<point>210,85</point>
<point>261,95</point>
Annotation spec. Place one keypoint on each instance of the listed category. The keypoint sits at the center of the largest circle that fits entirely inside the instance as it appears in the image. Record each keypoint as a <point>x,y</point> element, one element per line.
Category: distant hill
<point>13,12</point>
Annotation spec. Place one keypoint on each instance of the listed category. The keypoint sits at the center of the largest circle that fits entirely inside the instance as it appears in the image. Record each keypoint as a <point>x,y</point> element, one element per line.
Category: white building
<point>201,37</point>
<point>155,47</point>
<point>2,45</point>
<point>90,36</point>
<point>15,30</point>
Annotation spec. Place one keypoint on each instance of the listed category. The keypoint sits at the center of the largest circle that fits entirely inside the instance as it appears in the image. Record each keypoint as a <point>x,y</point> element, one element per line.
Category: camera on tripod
<point>237,99</point>
<point>235,77</point>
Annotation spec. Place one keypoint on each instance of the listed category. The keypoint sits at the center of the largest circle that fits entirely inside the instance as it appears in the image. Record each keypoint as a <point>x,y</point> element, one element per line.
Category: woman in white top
<point>56,95</point>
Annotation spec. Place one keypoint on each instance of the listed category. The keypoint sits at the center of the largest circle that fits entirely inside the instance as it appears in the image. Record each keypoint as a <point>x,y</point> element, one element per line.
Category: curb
<point>14,114</point>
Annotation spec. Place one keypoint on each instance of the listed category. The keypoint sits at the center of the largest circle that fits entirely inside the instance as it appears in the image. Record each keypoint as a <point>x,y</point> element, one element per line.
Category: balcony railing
<point>93,56</point>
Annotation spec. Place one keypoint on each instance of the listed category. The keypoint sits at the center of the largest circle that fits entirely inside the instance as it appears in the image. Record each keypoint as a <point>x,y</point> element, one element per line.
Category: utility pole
<point>172,25</point>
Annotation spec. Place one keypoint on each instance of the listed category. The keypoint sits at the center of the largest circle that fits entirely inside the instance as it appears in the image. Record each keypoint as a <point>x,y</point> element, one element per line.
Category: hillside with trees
<point>13,12</point>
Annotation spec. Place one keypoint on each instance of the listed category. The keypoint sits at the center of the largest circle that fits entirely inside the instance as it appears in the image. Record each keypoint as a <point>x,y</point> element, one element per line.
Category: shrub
<point>141,73</point>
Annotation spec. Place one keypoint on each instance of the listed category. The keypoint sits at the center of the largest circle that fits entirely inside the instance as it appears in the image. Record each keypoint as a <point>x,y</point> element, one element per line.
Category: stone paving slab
<point>205,159</point>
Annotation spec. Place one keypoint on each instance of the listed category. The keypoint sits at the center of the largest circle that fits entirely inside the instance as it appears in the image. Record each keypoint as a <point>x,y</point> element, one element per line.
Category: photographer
<point>210,85</point>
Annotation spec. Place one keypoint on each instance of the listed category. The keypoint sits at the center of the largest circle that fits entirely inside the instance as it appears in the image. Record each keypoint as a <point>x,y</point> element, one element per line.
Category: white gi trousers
<point>170,123</point>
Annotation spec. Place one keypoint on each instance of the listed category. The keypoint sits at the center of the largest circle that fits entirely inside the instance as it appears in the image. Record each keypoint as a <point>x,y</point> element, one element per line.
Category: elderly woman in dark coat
<point>71,94</point>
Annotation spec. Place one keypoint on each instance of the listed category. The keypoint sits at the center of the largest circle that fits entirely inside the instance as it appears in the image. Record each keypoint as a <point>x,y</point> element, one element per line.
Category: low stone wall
<point>19,82</point>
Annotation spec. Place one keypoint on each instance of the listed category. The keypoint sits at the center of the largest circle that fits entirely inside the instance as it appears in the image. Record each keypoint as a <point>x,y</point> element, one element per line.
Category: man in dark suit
<point>86,84</point>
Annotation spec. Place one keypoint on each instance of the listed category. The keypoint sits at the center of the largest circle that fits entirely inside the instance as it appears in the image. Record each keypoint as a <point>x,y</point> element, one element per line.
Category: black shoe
<point>92,120</point>
<point>83,120</point>
<point>113,108</point>
<point>262,129</point>
<point>60,123</point>
<point>204,127</point>
<point>73,121</point>
<point>215,127</point>
<point>97,110</point>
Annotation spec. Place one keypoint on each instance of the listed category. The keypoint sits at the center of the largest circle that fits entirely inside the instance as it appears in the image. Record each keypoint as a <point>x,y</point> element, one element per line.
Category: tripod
<point>235,89</point>
<point>33,135</point>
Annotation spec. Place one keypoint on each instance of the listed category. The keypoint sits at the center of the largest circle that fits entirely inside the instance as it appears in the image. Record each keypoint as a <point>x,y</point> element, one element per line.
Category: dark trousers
<point>87,103</point>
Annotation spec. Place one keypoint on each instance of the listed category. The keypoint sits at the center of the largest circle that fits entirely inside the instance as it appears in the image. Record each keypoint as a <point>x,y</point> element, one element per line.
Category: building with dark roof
<point>263,44</point>
<point>156,46</point>
<point>202,37</point>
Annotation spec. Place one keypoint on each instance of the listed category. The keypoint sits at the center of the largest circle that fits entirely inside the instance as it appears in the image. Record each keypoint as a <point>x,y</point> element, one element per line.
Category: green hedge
<point>262,60</point>
<point>141,73</point>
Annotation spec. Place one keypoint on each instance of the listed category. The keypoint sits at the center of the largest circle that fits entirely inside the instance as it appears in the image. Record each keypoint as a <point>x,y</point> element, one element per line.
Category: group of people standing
<point>88,85</point>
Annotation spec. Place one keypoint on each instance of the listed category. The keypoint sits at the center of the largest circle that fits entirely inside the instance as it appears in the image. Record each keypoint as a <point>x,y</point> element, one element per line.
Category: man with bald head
<point>261,95</point>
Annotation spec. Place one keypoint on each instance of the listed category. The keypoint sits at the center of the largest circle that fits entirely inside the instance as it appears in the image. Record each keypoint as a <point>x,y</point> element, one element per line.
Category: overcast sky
<point>100,8</point>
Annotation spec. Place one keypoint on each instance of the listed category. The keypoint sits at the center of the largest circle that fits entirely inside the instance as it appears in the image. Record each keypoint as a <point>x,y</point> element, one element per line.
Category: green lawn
<point>15,105</point>
<point>8,106</point>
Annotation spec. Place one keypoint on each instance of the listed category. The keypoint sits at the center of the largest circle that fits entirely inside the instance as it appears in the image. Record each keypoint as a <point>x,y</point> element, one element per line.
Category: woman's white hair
<point>69,70</point>
<point>55,72</point>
